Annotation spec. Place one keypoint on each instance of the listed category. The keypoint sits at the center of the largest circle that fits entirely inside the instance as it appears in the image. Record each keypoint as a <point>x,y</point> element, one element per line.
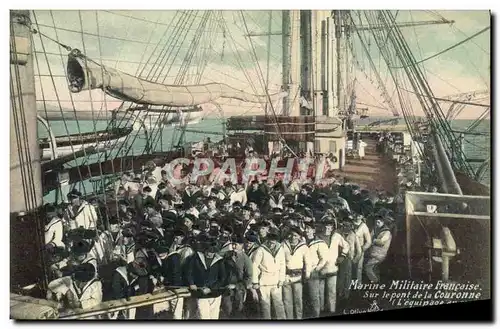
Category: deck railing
<point>27,308</point>
<point>159,296</point>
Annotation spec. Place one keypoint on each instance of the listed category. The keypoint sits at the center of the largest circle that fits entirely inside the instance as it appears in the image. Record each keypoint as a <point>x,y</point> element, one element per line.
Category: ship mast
<point>291,61</point>
<point>25,168</point>
<point>26,198</point>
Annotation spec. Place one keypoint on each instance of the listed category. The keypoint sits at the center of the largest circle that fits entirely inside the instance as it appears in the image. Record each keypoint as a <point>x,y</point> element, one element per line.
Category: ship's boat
<point>65,145</point>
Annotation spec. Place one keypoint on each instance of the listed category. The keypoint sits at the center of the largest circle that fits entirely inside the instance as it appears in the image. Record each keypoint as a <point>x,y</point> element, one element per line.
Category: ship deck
<point>374,172</point>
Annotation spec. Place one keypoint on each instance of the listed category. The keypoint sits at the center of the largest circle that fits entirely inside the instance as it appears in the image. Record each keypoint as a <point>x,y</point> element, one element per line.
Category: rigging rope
<point>195,43</point>
<point>450,100</point>
<point>106,109</point>
<point>435,113</point>
<point>57,97</point>
<point>179,77</point>
<point>201,70</point>
<point>261,79</point>
<point>377,75</point>
<point>90,92</point>
<point>136,117</point>
<point>163,54</point>
<point>448,49</point>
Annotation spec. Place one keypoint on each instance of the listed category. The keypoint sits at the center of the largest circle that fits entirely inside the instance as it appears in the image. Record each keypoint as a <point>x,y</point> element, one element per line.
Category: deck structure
<point>374,172</point>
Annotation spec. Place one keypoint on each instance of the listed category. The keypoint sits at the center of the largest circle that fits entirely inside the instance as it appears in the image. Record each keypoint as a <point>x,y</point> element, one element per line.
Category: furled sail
<point>84,73</point>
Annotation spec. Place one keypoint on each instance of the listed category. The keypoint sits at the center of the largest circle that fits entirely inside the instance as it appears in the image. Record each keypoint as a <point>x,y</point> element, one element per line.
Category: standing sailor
<point>173,268</point>
<point>338,249</point>
<point>269,273</point>
<point>361,149</point>
<point>81,213</point>
<point>128,281</point>
<point>86,290</point>
<point>54,231</point>
<point>377,253</point>
<point>239,271</point>
<point>225,239</point>
<point>81,254</point>
<point>298,269</point>
<point>318,254</point>
<point>124,251</point>
<point>251,245</point>
<point>345,274</point>
<point>206,276</point>
<point>365,240</point>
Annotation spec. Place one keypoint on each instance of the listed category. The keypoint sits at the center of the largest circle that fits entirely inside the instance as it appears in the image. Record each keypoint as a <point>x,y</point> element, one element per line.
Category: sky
<point>127,40</point>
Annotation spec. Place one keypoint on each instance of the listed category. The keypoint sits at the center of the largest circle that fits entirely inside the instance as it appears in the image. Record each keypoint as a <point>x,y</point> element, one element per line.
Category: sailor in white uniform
<point>338,249</point>
<point>54,231</point>
<point>269,274</point>
<point>82,253</point>
<point>318,254</point>
<point>81,213</point>
<point>365,240</point>
<point>79,283</point>
<point>298,269</point>
<point>124,251</point>
<point>361,149</point>
<point>86,289</point>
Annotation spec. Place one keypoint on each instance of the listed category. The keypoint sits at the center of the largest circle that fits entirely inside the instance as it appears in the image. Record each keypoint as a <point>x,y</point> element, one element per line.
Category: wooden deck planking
<point>374,172</point>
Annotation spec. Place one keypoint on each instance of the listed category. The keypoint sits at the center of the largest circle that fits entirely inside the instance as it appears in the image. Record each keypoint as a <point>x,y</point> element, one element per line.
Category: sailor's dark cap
<point>128,232</point>
<point>81,247</point>
<point>310,225</point>
<point>150,203</point>
<point>252,237</point>
<point>161,248</point>
<point>227,228</point>
<point>146,235</point>
<point>191,217</point>
<point>50,208</point>
<point>328,220</point>
<point>74,194</point>
<point>274,234</point>
<point>263,223</point>
<point>295,229</point>
<point>178,232</point>
<point>237,238</point>
<point>147,224</point>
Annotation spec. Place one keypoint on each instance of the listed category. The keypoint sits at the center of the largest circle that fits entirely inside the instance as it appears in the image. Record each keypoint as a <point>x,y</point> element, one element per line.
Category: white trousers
<point>175,306</point>
<point>209,308</point>
<point>271,296</point>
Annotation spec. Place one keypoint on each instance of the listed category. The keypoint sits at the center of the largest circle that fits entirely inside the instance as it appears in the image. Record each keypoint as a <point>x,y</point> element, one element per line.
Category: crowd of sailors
<point>262,250</point>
